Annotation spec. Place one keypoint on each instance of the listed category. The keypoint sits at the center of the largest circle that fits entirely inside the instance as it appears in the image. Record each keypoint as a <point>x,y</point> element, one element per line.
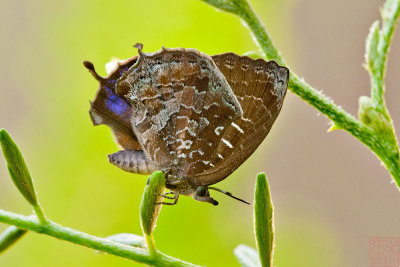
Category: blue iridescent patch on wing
<point>116,104</point>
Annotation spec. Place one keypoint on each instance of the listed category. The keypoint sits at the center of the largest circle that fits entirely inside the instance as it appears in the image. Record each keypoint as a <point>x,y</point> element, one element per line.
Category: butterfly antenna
<point>89,65</point>
<point>228,194</point>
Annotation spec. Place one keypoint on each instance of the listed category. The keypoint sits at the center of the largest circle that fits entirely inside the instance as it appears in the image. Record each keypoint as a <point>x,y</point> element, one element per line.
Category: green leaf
<point>390,16</point>
<point>368,114</point>
<point>128,239</point>
<point>11,235</point>
<point>247,256</point>
<point>366,110</point>
<point>371,49</point>
<point>334,127</point>
<point>17,167</point>
<point>263,220</point>
<point>149,209</point>
<point>19,172</point>
<point>254,54</point>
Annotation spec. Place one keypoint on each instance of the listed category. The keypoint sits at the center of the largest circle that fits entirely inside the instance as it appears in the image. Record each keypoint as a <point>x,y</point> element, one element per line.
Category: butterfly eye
<point>201,191</point>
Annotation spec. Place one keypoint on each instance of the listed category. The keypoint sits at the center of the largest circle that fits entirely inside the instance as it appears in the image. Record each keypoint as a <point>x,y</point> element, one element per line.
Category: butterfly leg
<point>175,198</point>
<point>132,161</point>
<point>166,195</point>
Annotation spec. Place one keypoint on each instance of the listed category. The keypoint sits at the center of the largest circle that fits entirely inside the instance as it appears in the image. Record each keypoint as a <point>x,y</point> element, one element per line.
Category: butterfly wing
<point>260,87</point>
<point>112,110</point>
<point>179,98</point>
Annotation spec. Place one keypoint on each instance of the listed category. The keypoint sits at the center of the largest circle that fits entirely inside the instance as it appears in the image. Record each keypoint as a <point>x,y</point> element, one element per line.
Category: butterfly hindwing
<point>260,87</point>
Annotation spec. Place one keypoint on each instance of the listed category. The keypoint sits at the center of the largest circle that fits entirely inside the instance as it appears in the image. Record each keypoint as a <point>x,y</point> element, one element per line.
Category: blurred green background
<point>330,193</point>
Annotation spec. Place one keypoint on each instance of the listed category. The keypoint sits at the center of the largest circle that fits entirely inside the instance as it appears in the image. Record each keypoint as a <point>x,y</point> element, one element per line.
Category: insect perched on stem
<point>196,117</point>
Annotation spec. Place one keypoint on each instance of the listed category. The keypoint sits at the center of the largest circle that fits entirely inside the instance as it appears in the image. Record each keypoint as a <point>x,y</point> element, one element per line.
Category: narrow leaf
<point>149,209</point>
<point>247,256</point>
<point>17,167</point>
<point>128,239</point>
<point>11,235</point>
<point>390,16</point>
<point>371,49</point>
<point>263,220</point>
<point>334,127</point>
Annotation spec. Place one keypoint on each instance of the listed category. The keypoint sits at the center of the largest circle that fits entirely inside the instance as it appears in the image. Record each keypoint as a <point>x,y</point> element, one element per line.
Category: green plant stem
<point>11,235</point>
<point>97,243</point>
<point>259,31</point>
<point>385,147</point>
<point>245,11</point>
<point>39,213</point>
<point>151,244</point>
<point>385,151</point>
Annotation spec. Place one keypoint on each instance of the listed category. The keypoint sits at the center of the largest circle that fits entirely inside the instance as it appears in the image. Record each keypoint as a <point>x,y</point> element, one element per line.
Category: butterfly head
<point>202,194</point>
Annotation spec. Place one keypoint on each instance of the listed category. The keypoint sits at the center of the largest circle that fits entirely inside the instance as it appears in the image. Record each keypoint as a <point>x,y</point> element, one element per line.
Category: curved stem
<point>11,235</point>
<point>97,243</point>
<point>151,245</point>
<point>382,143</point>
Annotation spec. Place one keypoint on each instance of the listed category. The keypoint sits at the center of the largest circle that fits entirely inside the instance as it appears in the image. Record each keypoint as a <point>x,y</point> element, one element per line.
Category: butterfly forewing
<point>260,87</point>
<point>179,101</point>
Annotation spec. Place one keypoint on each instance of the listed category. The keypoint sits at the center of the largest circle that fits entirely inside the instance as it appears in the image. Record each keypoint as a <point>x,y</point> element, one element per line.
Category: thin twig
<point>97,243</point>
<point>382,143</point>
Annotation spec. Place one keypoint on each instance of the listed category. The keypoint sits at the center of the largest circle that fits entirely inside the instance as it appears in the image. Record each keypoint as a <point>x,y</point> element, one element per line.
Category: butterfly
<point>196,117</point>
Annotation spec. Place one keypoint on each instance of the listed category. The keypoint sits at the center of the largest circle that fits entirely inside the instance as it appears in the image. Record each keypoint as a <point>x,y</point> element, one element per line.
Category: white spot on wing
<point>237,127</point>
<point>182,117</point>
<point>204,122</point>
<point>191,107</point>
<point>227,143</point>
<point>185,144</point>
<point>183,155</point>
<point>218,130</point>
<point>198,151</point>
<point>206,107</point>
<point>246,119</point>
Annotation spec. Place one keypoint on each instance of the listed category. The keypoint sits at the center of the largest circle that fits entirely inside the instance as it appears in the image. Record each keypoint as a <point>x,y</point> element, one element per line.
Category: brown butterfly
<point>196,117</point>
